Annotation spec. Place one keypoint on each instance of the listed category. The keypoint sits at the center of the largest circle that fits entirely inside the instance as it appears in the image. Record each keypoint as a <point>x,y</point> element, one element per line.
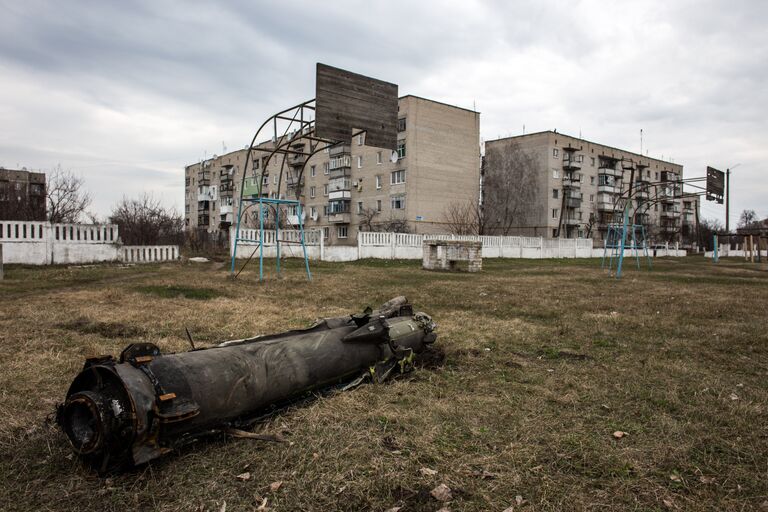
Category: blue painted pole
<point>623,242</point>
<point>714,253</point>
<point>277,237</point>
<point>303,242</point>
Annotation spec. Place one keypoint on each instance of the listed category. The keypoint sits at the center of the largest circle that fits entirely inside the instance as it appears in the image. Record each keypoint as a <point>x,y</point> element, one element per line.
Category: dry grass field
<point>544,361</point>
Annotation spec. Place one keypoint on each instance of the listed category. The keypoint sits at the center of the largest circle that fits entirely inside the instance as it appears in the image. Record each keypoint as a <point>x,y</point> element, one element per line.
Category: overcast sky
<point>127,93</point>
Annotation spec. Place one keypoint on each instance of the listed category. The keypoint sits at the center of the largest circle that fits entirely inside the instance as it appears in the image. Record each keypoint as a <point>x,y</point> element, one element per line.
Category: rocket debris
<point>129,411</point>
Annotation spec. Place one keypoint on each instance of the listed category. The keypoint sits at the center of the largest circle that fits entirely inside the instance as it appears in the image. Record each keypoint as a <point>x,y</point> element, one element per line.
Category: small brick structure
<point>447,255</point>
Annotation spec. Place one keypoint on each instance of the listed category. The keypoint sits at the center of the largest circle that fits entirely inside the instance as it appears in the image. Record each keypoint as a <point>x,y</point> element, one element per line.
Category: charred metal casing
<point>135,409</point>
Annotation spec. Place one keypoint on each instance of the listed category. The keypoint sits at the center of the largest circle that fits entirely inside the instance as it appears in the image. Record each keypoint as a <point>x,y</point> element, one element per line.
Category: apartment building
<point>554,185</point>
<point>22,195</point>
<point>352,187</point>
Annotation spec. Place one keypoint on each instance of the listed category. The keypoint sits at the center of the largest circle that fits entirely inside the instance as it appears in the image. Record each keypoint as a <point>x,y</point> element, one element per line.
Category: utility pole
<point>727,195</point>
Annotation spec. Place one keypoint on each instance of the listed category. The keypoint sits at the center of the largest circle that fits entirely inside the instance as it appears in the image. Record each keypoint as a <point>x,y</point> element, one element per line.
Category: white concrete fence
<point>43,243</point>
<point>409,246</point>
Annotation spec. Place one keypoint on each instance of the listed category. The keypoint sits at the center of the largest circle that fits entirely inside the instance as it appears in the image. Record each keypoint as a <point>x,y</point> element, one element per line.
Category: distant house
<point>757,228</point>
<point>22,195</point>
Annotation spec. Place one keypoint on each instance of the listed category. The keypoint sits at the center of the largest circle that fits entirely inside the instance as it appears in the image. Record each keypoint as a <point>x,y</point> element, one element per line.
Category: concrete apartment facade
<point>22,195</point>
<point>353,187</point>
<point>571,187</point>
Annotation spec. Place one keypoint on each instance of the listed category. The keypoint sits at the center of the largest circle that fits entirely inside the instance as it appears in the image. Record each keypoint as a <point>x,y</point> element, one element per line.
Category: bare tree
<point>748,219</point>
<point>510,187</point>
<point>145,221</point>
<point>66,196</point>
<point>394,225</point>
<point>367,216</point>
<point>464,218</point>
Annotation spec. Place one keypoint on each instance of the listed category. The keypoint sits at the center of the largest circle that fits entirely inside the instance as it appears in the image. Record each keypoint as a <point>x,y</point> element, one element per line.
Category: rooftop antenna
<point>641,141</point>
<point>223,148</point>
<point>523,128</point>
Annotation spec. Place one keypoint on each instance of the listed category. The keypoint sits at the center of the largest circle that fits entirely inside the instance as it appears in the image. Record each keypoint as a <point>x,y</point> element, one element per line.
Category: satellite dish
<point>393,157</point>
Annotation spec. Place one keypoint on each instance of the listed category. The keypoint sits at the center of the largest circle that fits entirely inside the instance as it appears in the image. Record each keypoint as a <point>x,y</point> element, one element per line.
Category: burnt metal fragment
<point>128,411</point>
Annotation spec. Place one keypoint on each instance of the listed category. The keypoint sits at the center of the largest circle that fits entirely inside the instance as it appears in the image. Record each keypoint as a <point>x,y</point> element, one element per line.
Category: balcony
<point>205,193</point>
<point>641,194</point>
<point>607,189</point>
<point>671,213</point>
<point>225,209</point>
<point>642,218</point>
<point>571,181</point>
<point>340,194</point>
<point>297,160</point>
<point>610,171</point>
<point>293,220</point>
<point>203,220</point>
<point>293,182</point>
<point>606,206</point>
<point>570,162</point>
<point>571,221</point>
<point>339,218</point>
<point>572,202</point>
<point>688,218</point>
<point>342,149</point>
<point>340,172</point>
<point>335,185</point>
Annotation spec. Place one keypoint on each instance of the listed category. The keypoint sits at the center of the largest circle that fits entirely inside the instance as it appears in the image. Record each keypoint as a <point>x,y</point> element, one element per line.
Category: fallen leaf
<point>274,486</point>
<point>444,509</point>
<point>707,479</point>
<point>428,471</point>
<point>734,396</point>
<point>243,477</point>
<point>394,509</point>
<point>263,505</point>
<point>619,434</point>
<point>223,507</point>
<point>675,478</point>
<point>485,475</point>
<point>668,503</point>
<point>519,500</point>
<point>442,493</point>
<point>510,509</point>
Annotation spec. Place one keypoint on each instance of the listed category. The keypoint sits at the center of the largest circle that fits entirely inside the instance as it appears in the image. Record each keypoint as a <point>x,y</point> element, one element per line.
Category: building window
<point>360,139</point>
<point>359,161</point>
<point>326,168</point>
<point>326,232</point>
<point>378,158</point>
<point>554,193</point>
<point>554,233</point>
<point>401,124</point>
<point>378,205</point>
<point>398,177</point>
<point>398,202</point>
<point>186,208</point>
<point>656,207</point>
<point>342,231</point>
<point>555,152</point>
<point>312,171</point>
<point>592,198</point>
<point>326,149</point>
<point>265,180</point>
<point>325,189</point>
<point>656,176</point>
<point>359,207</point>
<point>401,149</point>
<point>591,180</point>
<point>592,163</point>
<point>312,192</point>
<point>555,173</point>
<point>555,212</point>
<point>274,179</point>
<point>255,164</point>
<point>313,211</point>
<point>378,182</point>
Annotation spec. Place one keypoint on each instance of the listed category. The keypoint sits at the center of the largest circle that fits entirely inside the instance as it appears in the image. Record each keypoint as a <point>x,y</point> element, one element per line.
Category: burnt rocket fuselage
<point>129,411</point>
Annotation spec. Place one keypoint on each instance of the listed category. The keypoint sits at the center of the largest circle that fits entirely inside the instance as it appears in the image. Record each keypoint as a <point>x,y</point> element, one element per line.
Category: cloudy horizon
<point>127,94</point>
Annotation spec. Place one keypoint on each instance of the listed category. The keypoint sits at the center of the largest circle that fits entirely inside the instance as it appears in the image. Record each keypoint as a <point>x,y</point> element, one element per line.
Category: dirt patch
<point>84,325</point>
